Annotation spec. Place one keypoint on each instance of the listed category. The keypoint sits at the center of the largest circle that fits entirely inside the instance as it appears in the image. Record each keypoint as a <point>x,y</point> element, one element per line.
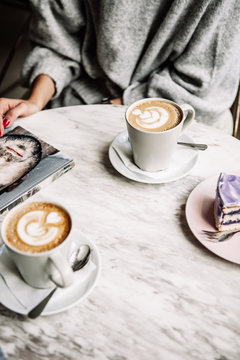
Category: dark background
<point>14,45</point>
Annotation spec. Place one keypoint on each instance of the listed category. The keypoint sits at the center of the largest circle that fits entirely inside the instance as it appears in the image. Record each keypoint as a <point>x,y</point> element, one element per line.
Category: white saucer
<point>182,163</point>
<point>200,216</point>
<point>63,299</point>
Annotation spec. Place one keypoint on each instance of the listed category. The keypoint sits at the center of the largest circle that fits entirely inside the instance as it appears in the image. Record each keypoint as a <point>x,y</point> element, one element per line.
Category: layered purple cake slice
<point>227,203</point>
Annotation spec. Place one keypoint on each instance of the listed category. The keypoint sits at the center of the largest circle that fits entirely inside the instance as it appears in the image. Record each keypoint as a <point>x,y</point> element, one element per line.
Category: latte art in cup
<point>37,227</point>
<point>154,126</point>
<point>154,116</point>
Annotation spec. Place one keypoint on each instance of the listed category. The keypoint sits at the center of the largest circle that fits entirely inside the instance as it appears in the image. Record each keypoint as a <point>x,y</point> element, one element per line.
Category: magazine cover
<point>27,164</point>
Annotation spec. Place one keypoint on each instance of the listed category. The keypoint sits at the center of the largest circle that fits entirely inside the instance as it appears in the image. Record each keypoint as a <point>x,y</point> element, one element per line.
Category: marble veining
<point>161,294</point>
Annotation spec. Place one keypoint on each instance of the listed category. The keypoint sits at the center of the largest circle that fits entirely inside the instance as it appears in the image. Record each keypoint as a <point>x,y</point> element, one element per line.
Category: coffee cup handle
<point>59,270</point>
<point>188,115</point>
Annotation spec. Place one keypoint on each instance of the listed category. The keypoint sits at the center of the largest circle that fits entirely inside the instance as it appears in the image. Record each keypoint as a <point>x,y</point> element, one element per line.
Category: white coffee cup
<point>153,151</point>
<point>45,268</point>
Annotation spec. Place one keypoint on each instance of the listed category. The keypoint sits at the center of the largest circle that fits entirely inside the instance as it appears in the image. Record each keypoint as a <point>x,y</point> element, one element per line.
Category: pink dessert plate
<point>199,214</point>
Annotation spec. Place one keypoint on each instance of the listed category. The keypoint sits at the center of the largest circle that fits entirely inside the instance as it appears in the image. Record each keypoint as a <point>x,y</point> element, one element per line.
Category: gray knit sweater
<point>184,50</point>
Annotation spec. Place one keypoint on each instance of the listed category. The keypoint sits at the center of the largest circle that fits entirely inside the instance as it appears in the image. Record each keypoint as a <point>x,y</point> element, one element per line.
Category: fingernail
<point>6,122</point>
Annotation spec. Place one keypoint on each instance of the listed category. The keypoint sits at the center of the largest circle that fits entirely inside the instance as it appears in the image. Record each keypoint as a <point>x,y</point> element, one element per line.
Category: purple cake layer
<point>219,210</point>
<point>231,222</point>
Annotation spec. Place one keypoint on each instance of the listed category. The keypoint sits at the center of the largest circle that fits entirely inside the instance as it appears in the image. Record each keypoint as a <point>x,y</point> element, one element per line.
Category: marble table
<point>161,293</point>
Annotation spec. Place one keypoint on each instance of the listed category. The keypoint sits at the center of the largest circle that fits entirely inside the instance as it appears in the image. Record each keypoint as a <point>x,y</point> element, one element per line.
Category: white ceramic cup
<point>153,151</point>
<point>42,269</point>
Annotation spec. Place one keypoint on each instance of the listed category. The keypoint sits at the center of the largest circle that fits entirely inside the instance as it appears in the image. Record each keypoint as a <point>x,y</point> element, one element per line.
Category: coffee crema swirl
<point>37,227</point>
<point>154,116</point>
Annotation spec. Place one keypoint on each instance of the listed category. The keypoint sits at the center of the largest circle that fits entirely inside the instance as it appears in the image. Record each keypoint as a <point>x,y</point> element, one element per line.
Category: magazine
<point>50,164</point>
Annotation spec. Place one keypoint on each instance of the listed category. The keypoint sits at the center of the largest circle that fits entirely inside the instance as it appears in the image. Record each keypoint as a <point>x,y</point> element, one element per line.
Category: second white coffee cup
<point>153,150</point>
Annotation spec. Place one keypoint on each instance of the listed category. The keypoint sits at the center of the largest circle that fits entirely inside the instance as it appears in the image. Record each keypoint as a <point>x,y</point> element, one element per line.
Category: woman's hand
<point>11,109</point>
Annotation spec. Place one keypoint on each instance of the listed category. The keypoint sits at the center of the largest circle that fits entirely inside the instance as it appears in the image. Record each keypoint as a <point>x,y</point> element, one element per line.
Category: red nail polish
<point>6,122</point>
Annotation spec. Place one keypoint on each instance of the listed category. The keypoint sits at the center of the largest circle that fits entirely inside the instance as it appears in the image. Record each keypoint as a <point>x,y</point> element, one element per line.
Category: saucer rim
<point>127,173</point>
<point>95,274</point>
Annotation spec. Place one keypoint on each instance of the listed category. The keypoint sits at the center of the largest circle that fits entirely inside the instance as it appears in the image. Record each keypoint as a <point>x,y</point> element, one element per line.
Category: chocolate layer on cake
<point>227,203</point>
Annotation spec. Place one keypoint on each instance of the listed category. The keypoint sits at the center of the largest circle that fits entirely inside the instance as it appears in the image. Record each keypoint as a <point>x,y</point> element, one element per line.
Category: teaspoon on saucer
<point>80,259</point>
<point>193,145</point>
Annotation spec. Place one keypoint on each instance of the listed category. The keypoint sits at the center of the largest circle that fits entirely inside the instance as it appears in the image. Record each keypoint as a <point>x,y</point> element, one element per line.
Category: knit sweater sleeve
<point>55,31</point>
<point>205,71</point>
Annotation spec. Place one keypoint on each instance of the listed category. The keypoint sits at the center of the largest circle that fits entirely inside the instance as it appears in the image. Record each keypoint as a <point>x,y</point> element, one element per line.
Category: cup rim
<point>33,254</point>
<point>153,99</point>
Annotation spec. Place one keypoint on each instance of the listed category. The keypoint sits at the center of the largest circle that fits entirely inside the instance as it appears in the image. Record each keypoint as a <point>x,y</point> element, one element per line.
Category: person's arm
<point>116,101</point>
<point>10,109</point>
<point>43,90</point>
<point>55,32</point>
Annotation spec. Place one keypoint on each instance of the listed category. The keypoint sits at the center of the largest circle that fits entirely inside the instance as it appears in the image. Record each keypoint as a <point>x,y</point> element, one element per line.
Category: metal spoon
<point>80,259</point>
<point>194,145</point>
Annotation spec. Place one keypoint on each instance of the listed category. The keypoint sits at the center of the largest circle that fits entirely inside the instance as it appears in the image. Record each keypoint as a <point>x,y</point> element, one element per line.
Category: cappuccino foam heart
<point>37,227</point>
<point>154,116</point>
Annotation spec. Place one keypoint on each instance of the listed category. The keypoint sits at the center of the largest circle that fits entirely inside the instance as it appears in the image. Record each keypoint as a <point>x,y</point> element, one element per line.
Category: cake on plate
<point>227,203</point>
